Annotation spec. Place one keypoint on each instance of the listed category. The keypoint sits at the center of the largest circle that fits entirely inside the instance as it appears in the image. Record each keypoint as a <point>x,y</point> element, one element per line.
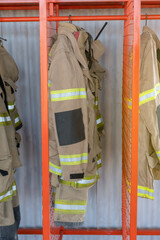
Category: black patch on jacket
<point>158,55</point>
<point>70,127</point>
<point>4,92</point>
<point>3,172</point>
<point>76,175</point>
<point>158,117</point>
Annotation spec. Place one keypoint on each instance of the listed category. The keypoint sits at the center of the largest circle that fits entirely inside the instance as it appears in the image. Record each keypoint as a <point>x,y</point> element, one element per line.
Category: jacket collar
<point>147,29</point>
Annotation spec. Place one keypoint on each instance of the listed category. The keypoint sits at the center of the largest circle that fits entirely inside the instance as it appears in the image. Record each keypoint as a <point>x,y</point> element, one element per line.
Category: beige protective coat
<point>149,113</point>
<point>9,123</point>
<point>68,72</point>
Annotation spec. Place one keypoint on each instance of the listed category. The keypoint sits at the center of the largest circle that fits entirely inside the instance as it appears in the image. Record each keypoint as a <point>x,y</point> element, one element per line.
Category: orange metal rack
<point>49,11</point>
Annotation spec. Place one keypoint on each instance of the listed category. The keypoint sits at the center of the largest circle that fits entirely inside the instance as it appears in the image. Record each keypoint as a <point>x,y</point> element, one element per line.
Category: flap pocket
<point>5,163</point>
<point>152,161</point>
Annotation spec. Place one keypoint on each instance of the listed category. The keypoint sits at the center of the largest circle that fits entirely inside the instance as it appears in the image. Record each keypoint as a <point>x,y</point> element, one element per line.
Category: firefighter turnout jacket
<point>10,139</point>
<point>149,114</point>
<point>75,122</point>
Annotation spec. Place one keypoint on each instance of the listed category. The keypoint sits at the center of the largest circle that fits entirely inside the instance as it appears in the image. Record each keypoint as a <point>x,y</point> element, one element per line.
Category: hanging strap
<point>11,83</point>
<point>89,53</point>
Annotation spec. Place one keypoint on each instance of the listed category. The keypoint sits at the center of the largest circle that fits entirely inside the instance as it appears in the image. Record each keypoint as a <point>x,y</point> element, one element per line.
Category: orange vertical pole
<point>44,118</point>
<point>135,118</point>
<point>124,194</point>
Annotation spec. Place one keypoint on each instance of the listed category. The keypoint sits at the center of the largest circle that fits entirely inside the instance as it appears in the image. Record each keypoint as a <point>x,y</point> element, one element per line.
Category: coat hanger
<point>101,30</point>
<point>146,20</point>
<point>70,19</point>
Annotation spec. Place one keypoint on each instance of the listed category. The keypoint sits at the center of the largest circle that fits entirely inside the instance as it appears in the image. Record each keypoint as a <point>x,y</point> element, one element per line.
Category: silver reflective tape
<point>75,159</point>
<point>55,169</point>
<point>151,194</point>
<point>86,181</point>
<point>70,207</point>
<point>146,96</point>
<point>9,193</point>
<point>49,82</point>
<point>99,120</point>
<point>11,107</point>
<point>68,94</point>
<point>16,120</point>
<point>5,119</point>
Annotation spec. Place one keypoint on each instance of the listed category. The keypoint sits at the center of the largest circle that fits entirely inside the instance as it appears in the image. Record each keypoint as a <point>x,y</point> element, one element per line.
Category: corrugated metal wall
<point>104,205</point>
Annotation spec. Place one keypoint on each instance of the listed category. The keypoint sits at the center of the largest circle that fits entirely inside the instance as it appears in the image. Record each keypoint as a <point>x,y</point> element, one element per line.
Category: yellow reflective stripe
<point>146,189</point>
<point>74,159</point>
<point>96,103</point>
<point>54,191</point>
<point>99,162</point>
<point>70,206</point>
<point>70,202</point>
<point>68,98</point>
<point>68,94</point>
<point>55,169</point>
<point>158,154</point>
<point>68,90</point>
<point>17,120</point>
<point>63,211</point>
<point>145,196</point>
<point>74,155</point>
<point>49,83</point>
<point>7,195</point>
<point>5,119</point>
<point>99,121</point>
<point>11,106</point>
<point>145,96</point>
<point>85,182</point>
<point>74,163</point>
<point>141,191</point>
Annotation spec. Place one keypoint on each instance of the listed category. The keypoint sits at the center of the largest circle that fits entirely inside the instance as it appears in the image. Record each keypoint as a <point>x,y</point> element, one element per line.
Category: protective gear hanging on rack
<point>71,51</point>
<point>149,114</point>
<point>9,155</point>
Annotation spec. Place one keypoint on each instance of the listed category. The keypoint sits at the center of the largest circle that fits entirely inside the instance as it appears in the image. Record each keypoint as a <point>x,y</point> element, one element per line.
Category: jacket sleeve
<point>69,114</point>
<point>149,98</point>
<point>54,163</point>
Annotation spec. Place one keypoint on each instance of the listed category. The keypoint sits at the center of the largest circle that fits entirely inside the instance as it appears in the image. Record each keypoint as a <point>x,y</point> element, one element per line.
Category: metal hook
<point>70,19</point>
<point>146,19</point>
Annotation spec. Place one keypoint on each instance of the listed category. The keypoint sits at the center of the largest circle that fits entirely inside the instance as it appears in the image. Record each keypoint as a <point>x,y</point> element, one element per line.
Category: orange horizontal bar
<point>154,232</point>
<point>18,8</point>
<point>76,18</point>
<point>85,1</point>
<point>88,18</point>
<point>106,6</point>
<point>19,1</point>
<point>38,231</point>
<point>150,17</point>
<point>19,19</point>
<point>30,231</point>
<point>151,6</point>
<point>88,231</point>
